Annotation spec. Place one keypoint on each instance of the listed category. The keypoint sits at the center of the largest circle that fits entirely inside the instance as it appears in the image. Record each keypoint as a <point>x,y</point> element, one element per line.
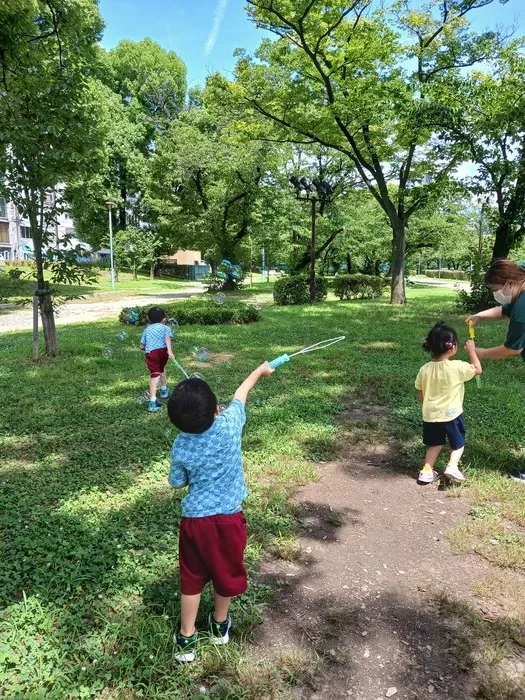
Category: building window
<point>25,232</point>
<point>3,209</point>
<point>196,262</point>
<point>4,232</point>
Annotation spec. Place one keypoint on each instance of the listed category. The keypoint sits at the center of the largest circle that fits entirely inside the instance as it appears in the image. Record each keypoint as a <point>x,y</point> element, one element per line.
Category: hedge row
<point>359,286</point>
<point>448,274</point>
<point>290,291</point>
<point>196,312</point>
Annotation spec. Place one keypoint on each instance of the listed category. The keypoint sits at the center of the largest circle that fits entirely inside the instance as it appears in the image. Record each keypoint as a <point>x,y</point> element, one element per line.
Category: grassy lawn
<point>14,290</point>
<point>88,524</point>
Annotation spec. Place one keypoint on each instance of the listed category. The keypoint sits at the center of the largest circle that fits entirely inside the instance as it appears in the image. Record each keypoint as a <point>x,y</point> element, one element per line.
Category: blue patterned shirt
<point>211,464</point>
<point>154,337</point>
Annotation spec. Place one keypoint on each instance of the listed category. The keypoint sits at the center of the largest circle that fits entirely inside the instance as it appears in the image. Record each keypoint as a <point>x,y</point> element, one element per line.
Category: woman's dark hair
<point>192,406</point>
<point>503,270</point>
<point>156,314</point>
<point>440,339</point>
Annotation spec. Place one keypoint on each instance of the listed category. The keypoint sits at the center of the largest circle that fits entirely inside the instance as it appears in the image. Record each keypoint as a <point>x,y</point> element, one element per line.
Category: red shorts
<point>212,549</point>
<point>156,360</point>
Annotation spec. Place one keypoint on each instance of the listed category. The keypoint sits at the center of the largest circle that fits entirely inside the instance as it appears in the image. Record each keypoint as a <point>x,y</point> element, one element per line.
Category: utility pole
<point>109,205</point>
<point>313,192</point>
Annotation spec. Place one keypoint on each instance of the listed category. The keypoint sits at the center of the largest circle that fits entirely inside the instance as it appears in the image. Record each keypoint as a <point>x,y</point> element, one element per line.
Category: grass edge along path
<point>88,582</point>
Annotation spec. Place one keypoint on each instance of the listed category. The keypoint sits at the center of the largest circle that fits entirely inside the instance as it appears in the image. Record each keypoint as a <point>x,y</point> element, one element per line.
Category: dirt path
<point>83,311</point>
<point>373,547</point>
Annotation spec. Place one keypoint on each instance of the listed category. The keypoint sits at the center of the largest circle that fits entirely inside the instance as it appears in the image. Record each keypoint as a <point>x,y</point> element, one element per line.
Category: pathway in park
<point>362,599</point>
<point>94,310</point>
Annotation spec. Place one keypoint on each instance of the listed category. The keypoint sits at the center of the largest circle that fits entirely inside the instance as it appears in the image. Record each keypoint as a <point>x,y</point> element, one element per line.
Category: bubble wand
<point>179,366</point>
<point>282,359</point>
<point>472,336</point>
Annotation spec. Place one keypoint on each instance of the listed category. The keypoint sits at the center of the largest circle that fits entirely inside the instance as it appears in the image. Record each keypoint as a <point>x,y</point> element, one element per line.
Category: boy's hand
<point>265,370</point>
<point>142,346</point>
<point>171,356</point>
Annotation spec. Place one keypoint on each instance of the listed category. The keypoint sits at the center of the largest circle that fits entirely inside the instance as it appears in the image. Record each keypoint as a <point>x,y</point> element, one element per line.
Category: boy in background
<point>156,344</point>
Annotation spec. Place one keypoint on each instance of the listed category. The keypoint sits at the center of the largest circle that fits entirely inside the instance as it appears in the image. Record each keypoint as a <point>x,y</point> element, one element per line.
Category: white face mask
<point>501,297</point>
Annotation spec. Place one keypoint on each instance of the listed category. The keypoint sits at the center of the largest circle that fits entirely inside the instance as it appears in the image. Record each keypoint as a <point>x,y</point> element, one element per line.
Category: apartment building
<point>15,235</point>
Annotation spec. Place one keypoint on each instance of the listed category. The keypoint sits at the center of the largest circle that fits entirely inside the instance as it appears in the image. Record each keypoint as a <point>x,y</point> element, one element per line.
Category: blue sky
<point>205,33</point>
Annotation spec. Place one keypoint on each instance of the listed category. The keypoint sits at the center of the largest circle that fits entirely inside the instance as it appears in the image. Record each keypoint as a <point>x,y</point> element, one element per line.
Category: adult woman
<point>506,279</point>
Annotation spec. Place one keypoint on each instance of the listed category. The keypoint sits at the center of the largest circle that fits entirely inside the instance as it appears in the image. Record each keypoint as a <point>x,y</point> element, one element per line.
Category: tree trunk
<point>152,271</point>
<point>503,240</point>
<point>134,267</point>
<point>43,291</point>
<point>348,264</point>
<point>397,288</point>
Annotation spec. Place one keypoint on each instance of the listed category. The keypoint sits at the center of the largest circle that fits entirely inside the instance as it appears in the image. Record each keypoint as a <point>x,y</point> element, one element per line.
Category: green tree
<point>485,120</point>
<point>49,128</point>
<point>143,88</point>
<point>207,176</point>
<point>346,80</point>
<point>136,248</point>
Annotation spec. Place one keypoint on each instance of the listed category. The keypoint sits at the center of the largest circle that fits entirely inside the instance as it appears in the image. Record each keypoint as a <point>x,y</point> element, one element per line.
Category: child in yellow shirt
<point>440,386</point>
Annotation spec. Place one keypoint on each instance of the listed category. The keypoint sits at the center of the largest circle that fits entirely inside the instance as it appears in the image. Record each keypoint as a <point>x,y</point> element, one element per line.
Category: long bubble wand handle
<point>282,359</point>
<point>472,336</point>
<point>179,366</point>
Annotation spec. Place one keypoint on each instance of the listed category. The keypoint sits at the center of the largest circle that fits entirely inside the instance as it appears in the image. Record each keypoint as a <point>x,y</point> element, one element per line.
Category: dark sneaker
<point>220,631</point>
<point>154,406</point>
<point>164,393</point>
<point>184,648</point>
<point>518,476</point>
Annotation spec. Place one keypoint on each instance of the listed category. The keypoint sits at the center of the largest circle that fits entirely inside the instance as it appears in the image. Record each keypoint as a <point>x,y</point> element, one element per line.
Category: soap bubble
<point>167,433</point>
<point>194,351</point>
<point>222,407</point>
<point>122,335</point>
<point>133,316</point>
<point>203,355</point>
<point>220,298</point>
<point>173,324</point>
<point>107,352</point>
<point>197,376</point>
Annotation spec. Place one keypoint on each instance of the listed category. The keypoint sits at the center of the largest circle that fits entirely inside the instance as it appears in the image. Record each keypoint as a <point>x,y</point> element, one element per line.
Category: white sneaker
<point>427,476</point>
<point>453,473</point>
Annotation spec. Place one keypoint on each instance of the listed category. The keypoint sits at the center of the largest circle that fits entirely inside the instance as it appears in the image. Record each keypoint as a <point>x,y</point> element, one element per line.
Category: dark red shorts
<point>156,360</point>
<point>212,549</point>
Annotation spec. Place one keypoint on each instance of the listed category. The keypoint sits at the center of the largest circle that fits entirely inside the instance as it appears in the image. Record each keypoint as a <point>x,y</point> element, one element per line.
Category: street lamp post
<point>313,192</point>
<point>109,205</point>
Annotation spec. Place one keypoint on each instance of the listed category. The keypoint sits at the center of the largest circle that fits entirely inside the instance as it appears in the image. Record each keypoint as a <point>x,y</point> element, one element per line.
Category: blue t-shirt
<point>154,337</point>
<point>211,464</point>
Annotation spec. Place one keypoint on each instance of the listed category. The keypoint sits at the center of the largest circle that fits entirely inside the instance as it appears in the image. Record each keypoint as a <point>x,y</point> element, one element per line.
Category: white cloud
<point>220,11</point>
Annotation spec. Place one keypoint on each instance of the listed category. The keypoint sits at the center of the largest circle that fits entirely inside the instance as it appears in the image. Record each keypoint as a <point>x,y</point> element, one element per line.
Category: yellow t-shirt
<point>443,387</point>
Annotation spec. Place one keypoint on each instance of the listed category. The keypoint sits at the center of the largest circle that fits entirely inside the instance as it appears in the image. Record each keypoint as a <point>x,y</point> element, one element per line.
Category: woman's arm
<point>498,353</point>
<point>494,314</point>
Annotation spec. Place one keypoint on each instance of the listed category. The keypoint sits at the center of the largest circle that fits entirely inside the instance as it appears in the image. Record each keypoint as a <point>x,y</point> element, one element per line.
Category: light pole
<point>313,192</point>
<point>109,205</point>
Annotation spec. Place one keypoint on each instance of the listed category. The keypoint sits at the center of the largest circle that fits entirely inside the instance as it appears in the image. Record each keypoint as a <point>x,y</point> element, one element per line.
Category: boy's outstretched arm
<point>242,392</point>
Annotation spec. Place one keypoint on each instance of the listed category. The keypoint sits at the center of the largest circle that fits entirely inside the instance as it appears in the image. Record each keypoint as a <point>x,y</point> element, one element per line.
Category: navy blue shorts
<point>435,434</point>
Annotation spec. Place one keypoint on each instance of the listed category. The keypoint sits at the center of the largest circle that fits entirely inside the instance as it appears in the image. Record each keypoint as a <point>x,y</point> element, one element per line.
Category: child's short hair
<point>156,314</point>
<point>192,406</point>
<point>440,339</point>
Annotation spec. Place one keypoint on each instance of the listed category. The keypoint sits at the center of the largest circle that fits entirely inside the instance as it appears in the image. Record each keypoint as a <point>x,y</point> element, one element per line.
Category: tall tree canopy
<point>341,76</point>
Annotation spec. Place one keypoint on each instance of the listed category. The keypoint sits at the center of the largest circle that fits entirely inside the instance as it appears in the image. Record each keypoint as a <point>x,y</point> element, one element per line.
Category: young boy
<point>156,344</point>
<point>206,457</point>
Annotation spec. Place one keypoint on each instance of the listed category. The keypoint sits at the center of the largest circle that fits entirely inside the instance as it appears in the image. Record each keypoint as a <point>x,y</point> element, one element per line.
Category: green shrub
<point>291,291</point>
<point>447,274</point>
<point>197,312</point>
<point>359,286</point>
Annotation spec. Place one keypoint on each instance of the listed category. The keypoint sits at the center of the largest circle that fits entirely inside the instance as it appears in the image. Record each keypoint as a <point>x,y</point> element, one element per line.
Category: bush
<point>196,312</point>
<point>359,286</point>
<point>291,291</point>
<point>447,274</point>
